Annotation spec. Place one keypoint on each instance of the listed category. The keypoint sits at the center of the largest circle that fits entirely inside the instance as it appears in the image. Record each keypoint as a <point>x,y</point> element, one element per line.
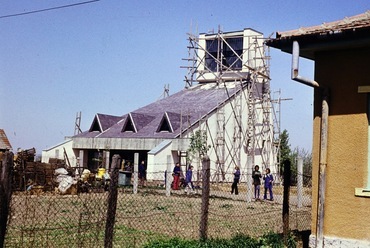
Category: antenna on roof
<point>166,91</point>
<point>78,123</point>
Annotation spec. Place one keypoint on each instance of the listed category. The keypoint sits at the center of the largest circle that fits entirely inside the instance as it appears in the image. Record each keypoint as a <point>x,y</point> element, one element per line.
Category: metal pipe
<point>295,66</point>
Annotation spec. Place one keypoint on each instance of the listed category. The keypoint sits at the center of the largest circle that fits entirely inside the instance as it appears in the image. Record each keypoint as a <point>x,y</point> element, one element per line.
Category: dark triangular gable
<point>129,125</point>
<point>165,124</point>
<point>95,126</point>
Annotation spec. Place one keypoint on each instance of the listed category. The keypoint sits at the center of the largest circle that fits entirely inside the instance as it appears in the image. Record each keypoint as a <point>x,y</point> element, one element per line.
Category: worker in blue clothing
<point>234,186</point>
<point>269,179</point>
<point>142,174</point>
<point>189,180</point>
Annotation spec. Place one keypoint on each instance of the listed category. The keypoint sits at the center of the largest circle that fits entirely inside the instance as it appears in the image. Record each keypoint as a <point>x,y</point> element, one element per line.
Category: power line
<point>53,8</point>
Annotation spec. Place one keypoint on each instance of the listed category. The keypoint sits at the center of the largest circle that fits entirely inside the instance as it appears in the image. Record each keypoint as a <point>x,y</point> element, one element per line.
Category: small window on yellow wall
<point>365,192</point>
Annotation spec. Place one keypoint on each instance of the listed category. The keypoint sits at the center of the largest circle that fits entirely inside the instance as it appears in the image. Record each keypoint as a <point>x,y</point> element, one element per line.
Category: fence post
<point>5,192</point>
<point>136,172</point>
<point>168,175</point>
<point>300,182</point>
<point>205,198</point>
<point>107,155</point>
<point>249,180</point>
<point>112,201</point>
<point>287,175</point>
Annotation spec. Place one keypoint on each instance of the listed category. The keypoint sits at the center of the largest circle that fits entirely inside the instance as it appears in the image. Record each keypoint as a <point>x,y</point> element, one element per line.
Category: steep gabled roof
<point>102,122</point>
<point>162,119</point>
<point>4,142</point>
<point>140,120</point>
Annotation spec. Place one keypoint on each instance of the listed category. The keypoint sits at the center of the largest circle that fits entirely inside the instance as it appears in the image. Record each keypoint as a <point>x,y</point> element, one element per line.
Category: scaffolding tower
<point>78,123</point>
<point>218,58</point>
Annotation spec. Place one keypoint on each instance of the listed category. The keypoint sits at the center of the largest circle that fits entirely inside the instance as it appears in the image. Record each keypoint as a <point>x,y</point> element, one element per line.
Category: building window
<point>56,153</point>
<point>225,54</point>
<point>365,192</point>
<point>368,142</point>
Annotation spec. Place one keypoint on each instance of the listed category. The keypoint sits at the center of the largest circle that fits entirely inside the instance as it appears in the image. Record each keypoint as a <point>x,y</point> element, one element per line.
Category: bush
<point>269,240</point>
<point>241,240</point>
<point>272,240</point>
<point>172,243</point>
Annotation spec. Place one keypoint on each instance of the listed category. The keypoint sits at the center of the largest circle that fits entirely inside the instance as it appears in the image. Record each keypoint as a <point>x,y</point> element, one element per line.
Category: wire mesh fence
<point>144,212</point>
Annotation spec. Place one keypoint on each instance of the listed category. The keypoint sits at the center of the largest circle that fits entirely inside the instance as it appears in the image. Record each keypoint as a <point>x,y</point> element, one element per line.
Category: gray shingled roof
<point>4,142</point>
<point>186,106</point>
<point>102,122</point>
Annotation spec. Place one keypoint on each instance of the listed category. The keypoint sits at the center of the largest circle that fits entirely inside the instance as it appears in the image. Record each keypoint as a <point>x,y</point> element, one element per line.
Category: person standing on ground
<point>176,176</point>
<point>234,186</point>
<point>189,180</point>
<point>269,179</point>
<point>142,173</point>
<point>256,175</point>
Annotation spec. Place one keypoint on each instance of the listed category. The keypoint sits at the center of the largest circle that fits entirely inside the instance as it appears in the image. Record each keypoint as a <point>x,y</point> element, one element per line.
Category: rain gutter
<point>323,142</point>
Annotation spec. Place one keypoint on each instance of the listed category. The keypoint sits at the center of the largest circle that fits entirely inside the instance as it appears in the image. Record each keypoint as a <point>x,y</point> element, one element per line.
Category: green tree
<point>198,145</point>
<point>285,151</point>
<point>198,148</point>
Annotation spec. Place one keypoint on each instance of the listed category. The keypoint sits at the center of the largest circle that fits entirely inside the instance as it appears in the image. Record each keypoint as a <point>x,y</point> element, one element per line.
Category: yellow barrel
<point>101,172</point>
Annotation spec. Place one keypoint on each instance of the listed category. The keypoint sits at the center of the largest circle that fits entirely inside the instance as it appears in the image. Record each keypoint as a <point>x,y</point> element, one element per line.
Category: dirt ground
<point>41,220</point>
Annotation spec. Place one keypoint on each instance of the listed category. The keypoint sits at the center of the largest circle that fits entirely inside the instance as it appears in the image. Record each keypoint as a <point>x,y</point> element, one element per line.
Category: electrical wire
<point>48,9</point>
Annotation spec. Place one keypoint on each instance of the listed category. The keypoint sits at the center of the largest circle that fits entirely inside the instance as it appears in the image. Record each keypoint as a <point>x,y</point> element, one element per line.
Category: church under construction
<point>226,103</point>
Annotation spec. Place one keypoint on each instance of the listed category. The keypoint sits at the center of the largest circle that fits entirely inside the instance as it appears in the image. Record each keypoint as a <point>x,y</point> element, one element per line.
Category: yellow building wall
<point>345,215</point>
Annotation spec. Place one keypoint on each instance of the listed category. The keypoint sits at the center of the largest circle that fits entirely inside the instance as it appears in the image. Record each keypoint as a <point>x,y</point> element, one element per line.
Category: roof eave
<point>312,43</point>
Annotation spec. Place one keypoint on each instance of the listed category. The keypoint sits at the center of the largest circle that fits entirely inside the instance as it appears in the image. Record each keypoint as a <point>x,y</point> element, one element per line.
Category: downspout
<point>323,143</point>
<point>295,64</point>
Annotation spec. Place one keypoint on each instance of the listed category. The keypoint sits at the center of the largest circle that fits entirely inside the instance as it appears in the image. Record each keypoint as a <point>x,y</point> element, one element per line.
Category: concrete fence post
<point>168,175</point>
<point>299,182</point>
<point>249,178</point>
<point>136,172</point>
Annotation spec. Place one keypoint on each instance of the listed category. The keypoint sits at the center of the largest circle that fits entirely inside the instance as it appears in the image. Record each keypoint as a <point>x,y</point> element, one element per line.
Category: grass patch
<point>270,239</point>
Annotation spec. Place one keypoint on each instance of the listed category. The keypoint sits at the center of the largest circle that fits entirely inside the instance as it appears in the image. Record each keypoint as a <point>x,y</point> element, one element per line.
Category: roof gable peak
<point>129,125</point>
<point>165,124</point>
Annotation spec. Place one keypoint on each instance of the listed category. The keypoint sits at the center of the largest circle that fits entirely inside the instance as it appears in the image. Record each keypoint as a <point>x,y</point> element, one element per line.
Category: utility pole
<point>278,101</point>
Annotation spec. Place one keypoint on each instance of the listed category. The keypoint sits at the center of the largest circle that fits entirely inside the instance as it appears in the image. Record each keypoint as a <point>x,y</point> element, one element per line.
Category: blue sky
<point>113,57</point>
